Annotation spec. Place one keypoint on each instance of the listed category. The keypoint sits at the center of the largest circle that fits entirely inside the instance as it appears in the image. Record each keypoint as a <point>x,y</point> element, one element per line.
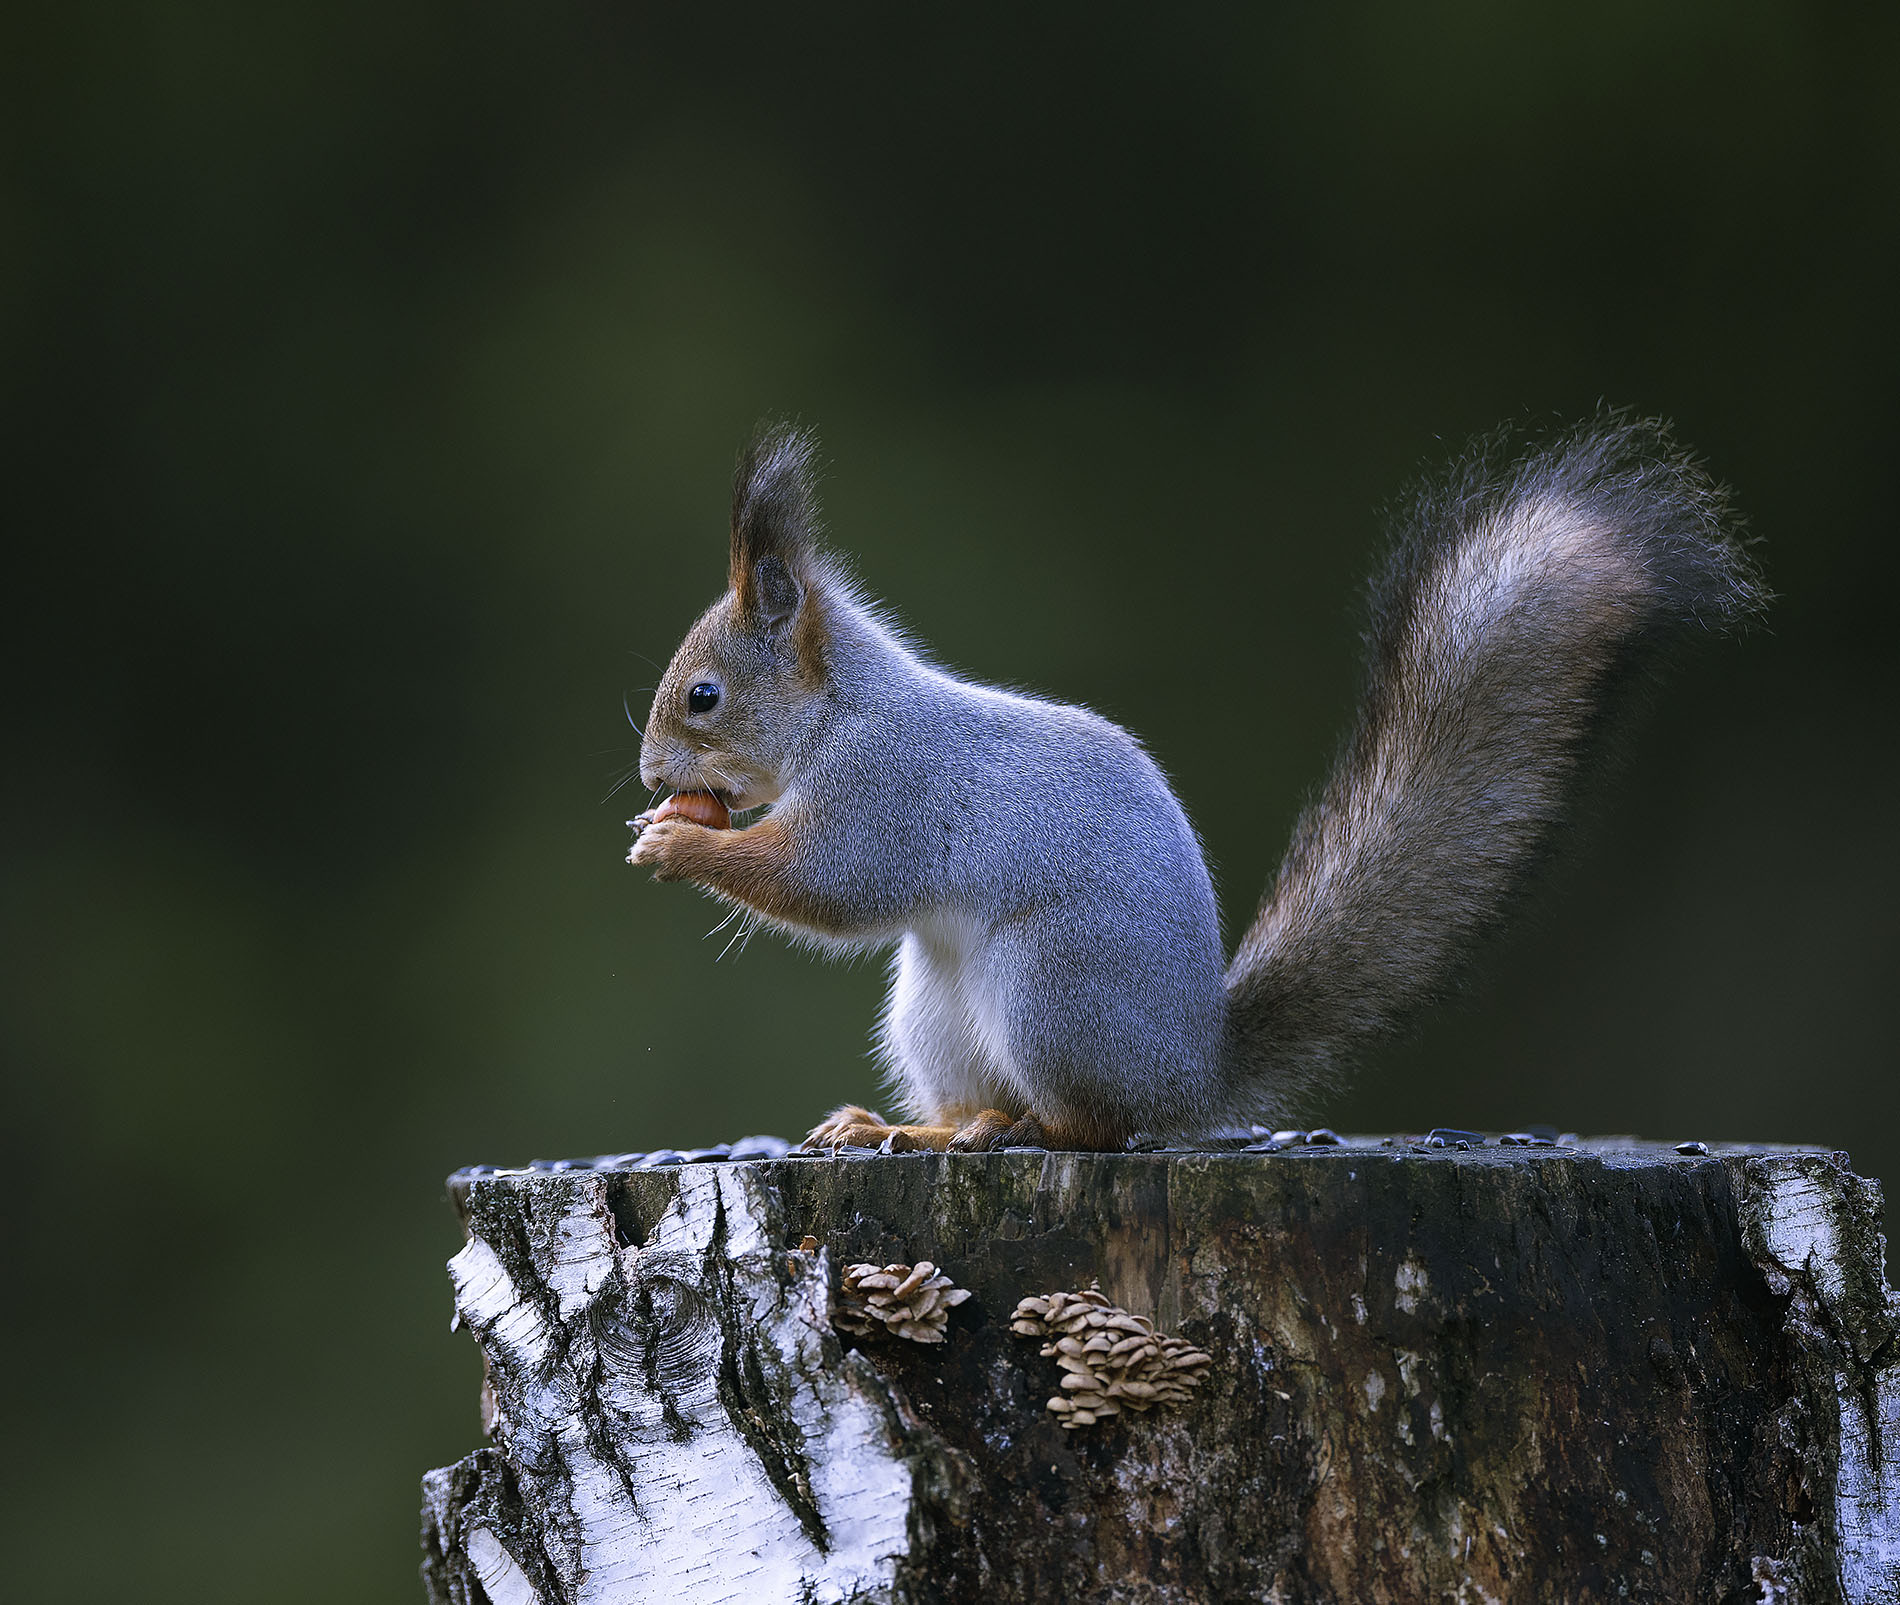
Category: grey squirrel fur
<point>1058,975</point>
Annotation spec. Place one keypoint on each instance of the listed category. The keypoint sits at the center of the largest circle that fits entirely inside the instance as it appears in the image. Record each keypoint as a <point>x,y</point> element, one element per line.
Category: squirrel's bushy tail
<point>1519,593</point>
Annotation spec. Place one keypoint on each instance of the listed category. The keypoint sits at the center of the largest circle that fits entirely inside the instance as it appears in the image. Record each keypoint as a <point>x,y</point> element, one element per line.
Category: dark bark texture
<point>1602,1371</point>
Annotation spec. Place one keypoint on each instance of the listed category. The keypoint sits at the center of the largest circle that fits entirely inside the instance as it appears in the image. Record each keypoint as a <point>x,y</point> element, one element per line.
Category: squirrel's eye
<point>703,698</point>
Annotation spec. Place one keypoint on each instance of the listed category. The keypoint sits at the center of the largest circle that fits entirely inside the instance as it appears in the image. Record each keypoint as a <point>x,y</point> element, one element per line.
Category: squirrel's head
<point>750,675</point>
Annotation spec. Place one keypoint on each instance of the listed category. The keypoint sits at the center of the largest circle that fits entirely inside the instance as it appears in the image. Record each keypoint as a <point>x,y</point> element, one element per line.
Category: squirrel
<point>1059,979</point>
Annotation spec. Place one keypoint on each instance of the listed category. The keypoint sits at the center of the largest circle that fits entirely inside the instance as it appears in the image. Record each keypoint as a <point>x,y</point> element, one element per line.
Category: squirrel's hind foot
<point>991,1128</point>
<point>854,1126</point>
<point>849,1124</point>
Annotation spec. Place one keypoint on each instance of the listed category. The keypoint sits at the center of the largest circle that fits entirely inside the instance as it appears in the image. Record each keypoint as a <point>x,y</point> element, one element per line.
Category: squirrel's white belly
<point>942,1036</point>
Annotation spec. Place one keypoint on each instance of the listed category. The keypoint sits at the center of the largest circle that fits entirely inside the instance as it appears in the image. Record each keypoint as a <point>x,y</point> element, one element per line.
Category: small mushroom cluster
<point>1111,1361</point>
<point>914,1301</point>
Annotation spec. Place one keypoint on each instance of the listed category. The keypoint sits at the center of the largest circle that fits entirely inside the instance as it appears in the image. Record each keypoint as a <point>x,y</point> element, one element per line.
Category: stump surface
<point>1599,1372</point>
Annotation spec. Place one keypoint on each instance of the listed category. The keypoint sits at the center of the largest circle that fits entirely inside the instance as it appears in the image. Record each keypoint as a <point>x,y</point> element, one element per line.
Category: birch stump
<point>1595,1371</point>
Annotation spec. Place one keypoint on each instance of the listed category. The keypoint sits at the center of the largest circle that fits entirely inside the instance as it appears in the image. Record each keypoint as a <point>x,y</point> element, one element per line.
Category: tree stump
<point>1589,1371</point>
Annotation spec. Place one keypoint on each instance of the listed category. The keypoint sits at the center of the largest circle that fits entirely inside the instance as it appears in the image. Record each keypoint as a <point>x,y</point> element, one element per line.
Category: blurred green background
<point>371,377</point>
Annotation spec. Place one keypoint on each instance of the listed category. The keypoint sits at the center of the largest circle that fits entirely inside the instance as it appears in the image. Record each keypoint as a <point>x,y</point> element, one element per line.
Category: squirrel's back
<point>1060,936</point>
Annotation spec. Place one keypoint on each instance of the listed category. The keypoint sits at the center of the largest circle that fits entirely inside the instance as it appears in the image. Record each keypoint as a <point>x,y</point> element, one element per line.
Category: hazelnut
<point>699,807</point>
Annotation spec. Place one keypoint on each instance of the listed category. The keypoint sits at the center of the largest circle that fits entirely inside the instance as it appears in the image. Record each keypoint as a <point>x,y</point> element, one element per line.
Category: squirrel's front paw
<point>664,844</point>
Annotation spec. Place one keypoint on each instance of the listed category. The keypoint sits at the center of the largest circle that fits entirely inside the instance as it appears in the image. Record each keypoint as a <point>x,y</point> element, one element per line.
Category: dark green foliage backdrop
<point>371,376</point>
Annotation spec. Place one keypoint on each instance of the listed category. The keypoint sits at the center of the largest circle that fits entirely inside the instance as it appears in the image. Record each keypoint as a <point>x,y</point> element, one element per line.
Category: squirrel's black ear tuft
<point>774,522</point>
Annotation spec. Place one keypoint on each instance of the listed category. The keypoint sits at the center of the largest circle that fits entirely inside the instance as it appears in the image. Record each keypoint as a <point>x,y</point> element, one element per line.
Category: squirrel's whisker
<point>631,775</point>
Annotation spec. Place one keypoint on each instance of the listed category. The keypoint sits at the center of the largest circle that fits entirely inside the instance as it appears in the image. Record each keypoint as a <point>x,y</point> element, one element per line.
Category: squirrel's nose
<point>652,769</point>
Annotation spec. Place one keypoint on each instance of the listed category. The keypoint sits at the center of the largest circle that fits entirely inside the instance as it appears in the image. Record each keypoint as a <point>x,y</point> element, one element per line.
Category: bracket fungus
<point>1111,1360</point>
<point>914,1301</point>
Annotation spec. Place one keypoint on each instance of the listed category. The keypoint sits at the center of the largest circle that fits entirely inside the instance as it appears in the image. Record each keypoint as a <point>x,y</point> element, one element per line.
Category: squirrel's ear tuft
<point>774,522</point>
